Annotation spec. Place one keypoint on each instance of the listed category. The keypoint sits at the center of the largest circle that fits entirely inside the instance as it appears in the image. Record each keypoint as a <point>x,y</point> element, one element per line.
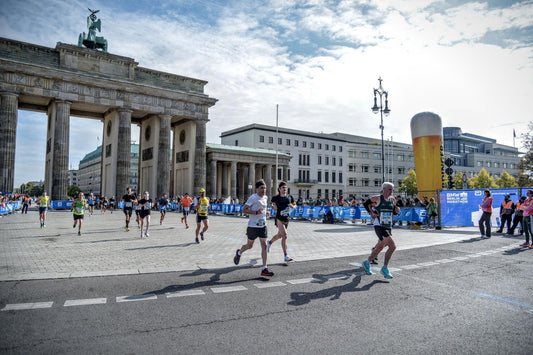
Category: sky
<point>470,62</point>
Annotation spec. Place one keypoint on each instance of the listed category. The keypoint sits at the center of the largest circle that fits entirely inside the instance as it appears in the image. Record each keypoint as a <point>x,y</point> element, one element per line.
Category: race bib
<point>386,217</point>
<point>128,204</point>
<point>186,209</point>
<point>203,208</point>
<point>262,221</point>
<point>79,209</point>
<point>147,206</point>
<point>285,212</point>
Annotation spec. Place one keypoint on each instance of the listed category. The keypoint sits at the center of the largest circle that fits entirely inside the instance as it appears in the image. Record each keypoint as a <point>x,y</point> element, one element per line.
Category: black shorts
<point>285,223</point>
<point>128,211</point>
<point>144,213</point>
<point>77,216</point>
<point>199,218</point>
<point>382,232</point>
<point>254,233</point>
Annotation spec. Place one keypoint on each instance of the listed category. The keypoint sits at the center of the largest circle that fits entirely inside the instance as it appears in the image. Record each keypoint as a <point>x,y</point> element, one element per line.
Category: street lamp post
<point>384,111</point>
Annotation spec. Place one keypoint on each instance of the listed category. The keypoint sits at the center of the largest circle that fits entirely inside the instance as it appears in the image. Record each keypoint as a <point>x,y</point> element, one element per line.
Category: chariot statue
<point>91,40</point>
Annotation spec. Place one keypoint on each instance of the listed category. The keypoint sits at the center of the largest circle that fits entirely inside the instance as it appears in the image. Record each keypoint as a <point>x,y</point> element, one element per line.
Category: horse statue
<point>91,40</point>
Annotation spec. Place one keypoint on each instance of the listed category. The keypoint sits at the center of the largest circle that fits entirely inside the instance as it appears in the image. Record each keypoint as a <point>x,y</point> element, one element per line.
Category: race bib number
<point>129,204</point>
<point>386,217</point>
<point>147,206</point>
<point>262,221</point>
<point>203,208</point>
<point>285,212</point>
<point>79,209</point>
<point>186,209</point>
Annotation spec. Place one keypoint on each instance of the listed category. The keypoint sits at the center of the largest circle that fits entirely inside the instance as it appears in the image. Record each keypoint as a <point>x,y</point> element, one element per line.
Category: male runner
<point>201,215</point>
<point>128,199</point>
<point>163,203</point>
<point>282,203</point>
<point>44,204</point>
<point>91,203</point>
<point>144,208</point>
<point>384,208</point>
<point>78,209</point>
<point>186,207</point>
<point>256,207</point>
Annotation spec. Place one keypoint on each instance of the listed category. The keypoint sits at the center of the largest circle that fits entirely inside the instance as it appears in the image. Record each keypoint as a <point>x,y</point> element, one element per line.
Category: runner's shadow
<point>163,246</point>
<point>515,251</point>
<point>333,293</point>
<point>471,240</point>
<point>214,281</point>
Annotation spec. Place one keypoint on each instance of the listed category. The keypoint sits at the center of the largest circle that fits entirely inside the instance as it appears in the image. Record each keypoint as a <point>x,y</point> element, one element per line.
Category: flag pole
<point>276,177</point>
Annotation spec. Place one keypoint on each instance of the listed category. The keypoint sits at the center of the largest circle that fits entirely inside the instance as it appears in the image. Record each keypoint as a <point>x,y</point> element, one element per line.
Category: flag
<point>514,133</point>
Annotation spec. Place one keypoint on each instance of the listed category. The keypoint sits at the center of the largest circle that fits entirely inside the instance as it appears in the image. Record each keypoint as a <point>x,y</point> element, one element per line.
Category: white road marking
<point>85,302</point>
<point>185,293</point>
<point>444,261</point>
<point>270,284</point>
<point>302,281</point>
<point>460,258</point>
<point>410,267</point>
<point>23,306</point>
<point>149,296</point>
<point>429,263</point>
<point>228,289</point>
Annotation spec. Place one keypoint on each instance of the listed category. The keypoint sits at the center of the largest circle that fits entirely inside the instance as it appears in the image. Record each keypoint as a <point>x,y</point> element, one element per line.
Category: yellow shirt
<point>203,204</point>
<point>44,201</point>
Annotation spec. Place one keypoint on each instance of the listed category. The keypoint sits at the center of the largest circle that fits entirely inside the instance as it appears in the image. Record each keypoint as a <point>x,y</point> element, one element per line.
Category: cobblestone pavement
<point>105,248</point>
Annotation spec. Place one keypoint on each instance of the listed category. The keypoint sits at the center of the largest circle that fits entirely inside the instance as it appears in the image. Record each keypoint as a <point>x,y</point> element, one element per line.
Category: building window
<point>236,142</point>
<point>312,145</point>
<point>304,144</point>
<point>340,148</point>
<point>318,192</point>
<point>326,176</point>
<point>401,171</point>
<point>327,193</point>
<point>280,141</point>
<point>351,154</point>
<point>327,146</point>
<point>364,169</point>
<point>377,155</point>
<point>319,176</point>
<point>479,163</point>
<point>334,161</point>
<point>262,139</point>
<point>352,182</point>
<point>296,142</point>
<point>287,142</point>
<point>340,178</point>
<point>319,159</point>
<point>334,148</point>
<point>333,177</point>
<point>327,160</point>
<point>377,169</point>
<point>351,168</point>
<point>376,183</point>
<point>488,164</point>
<point>364,154</point>
<point>401,158</point>
<point>271,140</point>
<point>319,145</point>
<point>365,182</point>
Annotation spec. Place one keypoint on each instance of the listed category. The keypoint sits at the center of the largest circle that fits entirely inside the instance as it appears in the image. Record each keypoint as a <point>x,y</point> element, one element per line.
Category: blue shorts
<point>42,209</point>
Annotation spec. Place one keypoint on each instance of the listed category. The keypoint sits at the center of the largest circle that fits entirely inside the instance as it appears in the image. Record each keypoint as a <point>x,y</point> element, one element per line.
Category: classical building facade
<point>327,165</point>
<point>72,81</point>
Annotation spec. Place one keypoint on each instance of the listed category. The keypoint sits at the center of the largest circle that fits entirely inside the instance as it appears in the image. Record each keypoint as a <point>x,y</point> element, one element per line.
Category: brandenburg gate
<point>70,80</point>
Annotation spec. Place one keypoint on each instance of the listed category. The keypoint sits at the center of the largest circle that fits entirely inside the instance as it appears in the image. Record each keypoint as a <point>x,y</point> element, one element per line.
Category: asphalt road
<point>469,297</point>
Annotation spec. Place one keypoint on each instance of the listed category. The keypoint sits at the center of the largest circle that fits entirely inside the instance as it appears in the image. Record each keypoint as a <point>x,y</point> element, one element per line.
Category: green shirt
<point>79,207</point>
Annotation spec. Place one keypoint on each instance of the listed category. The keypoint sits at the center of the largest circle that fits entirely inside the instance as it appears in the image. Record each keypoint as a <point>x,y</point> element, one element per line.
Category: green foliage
<point>506,180</point>
<point>409,184</point>
<point>458,181</point>
<point>482,181</point>
<point>73,191</point>
<point>35,190</point>
<point>524,180</point>
<point>526,163</point>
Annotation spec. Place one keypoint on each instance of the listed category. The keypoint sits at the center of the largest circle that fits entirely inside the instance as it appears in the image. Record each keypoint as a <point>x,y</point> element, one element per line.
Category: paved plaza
<point>28,252</point>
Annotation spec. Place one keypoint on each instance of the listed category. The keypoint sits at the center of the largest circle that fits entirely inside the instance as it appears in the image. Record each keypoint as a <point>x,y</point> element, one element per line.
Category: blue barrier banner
<point>9,207</point>
<point>61,204</point>
<point>461,207</point>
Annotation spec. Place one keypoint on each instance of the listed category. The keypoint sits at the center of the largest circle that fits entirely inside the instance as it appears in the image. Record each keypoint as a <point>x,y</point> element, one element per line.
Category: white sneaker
<point>288,259</point>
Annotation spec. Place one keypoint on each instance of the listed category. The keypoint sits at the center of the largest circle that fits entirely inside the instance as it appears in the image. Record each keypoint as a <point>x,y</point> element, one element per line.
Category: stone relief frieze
<point>19,78</point>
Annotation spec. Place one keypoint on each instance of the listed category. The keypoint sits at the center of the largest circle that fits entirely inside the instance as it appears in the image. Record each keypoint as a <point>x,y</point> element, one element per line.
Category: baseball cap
<point>202,190</point>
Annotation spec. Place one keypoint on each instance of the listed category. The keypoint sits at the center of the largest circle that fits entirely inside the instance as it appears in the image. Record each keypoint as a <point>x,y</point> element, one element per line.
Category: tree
<point>409,184</point>
<point>73,191</point>
<point>526,163</point>
<point>35,190</point>
<point>524,180</point>
<point>482,181</point>
<point>506,180</point>
<point>458,180</point>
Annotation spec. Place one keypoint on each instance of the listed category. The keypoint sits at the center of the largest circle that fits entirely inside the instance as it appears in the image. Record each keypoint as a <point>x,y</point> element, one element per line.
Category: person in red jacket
<point>484,221</point>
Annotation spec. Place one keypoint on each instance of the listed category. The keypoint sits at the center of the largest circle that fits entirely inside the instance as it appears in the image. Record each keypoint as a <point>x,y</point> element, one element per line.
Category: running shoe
<point>366,266</point>
<point>181,219</point>
<point>146,234</point>
<point>141,234</point>
<point>74,225</point>
<point>237,257</point>
<point>385,271</point>
<point>79,233</point>
<point>187,226</point>
<point>267,272</point>
<point>288,259</point>
<point>202,236</point>
<point>197,241</point>
<point>531,246</point>
<point>269,244</point>
<point>160,222</point>
<point>127,229</point>
<point>526,244</point>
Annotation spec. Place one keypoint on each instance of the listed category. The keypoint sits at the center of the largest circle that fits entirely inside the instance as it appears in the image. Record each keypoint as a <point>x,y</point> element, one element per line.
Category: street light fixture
<point>384,111</point>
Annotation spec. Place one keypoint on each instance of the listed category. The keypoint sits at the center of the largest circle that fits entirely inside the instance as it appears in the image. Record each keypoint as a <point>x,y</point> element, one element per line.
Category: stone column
<point>224,191</point>
<point>213,179</point>
<point>251,178</point>
<point>242,187</point>
<point>8,135</point>
<point>60,146</point>
<point>269,180</point>
<point>233,192</point>
<point>163,157</point>
<point>199,157</point>
<point>123,151</point>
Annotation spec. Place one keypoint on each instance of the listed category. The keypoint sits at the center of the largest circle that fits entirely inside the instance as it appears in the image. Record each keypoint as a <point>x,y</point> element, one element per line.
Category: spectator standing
<point>484,221</point>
